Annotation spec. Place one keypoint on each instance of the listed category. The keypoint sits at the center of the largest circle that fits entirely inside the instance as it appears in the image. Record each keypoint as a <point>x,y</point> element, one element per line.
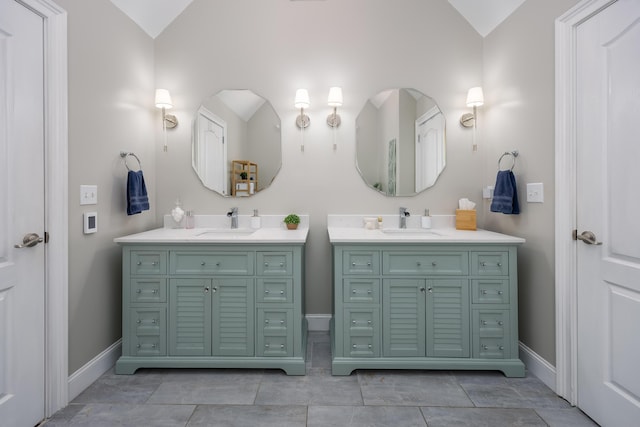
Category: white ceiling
<point>153,16</point>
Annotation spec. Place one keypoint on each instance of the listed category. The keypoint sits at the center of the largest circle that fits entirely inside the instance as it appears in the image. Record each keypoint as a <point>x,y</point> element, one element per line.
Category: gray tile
<point>318,387</point>
<point>411,388</point>
<point>505,392</point>
<point>321,356</point>
<point>112,388</point>
<point>108,415</point>
<point>318,336</point>
<point>242,416</point>
<point>208,387</point>
<point>572,417</point>
<point>364,416</point>
<point>63,416</point>
<point>481,417</point>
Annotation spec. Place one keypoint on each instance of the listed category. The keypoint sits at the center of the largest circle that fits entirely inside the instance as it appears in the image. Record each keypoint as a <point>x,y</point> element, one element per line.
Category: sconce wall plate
<point>334,120</point>
<point>303,121</point>
<point>170,121</point>
<point>468,120</point>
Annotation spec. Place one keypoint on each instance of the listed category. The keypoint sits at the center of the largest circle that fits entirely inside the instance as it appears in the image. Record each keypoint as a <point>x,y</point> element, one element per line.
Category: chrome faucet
<point>233,214</point>
<point>404,213</point>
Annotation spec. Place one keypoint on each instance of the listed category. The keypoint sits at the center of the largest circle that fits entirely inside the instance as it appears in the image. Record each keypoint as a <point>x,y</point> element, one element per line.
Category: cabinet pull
<point>266,291</point>
<point>369,291</point>
<point>282,264</point>
<point>501,348</point>
<point>138,346</point>
<point>266,346</point>
<point>499,264</point>
<point>266,321</point>
<point>281,345</point>
<point>369,322</point>
<point>369,346</point>
<point>484,322</point>
<point>353,264</point>
<point>353,291</point>
<point>354,322</point>
<point>138,291</point>
<point>430,289</point>
<point>202,263</point>
<point>154,321</point>
<point>215,289</point>
<point>218,264</point>
<point>154,263</point>
<point>484,347</point>
<point>369,264</point>
<point>282,322</point>
<point>484,264</point>
<point>499,292</point>
<point>483,291</point>
<point>155,291</point>
<point>500,322</point>
<point>138,321</point>
<point>139,263</point>
<point>206,289</point>
<point>281,292</point>
<point>354,346</point>
<point>422,289</point>
<point>266,264</point>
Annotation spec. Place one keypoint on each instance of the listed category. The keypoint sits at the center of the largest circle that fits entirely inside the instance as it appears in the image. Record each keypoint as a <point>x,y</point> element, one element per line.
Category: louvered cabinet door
<point>190,317</point>
<point>448,328</point>
<point>403,306</point>
<point>233,317</point>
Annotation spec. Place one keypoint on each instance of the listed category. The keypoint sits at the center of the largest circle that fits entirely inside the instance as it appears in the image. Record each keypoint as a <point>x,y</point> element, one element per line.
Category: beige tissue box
<point>465,220</point>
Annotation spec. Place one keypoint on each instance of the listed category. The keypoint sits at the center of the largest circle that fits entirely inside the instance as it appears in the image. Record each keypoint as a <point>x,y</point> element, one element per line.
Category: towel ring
<point>124,155</point>
<point>513,154</point>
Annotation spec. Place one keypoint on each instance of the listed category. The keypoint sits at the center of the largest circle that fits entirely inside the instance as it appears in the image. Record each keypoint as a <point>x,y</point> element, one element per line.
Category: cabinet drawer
<point>148,262</point>
<point>360,262</point>
<point>358,346</point>
<point>274,290</point>
<point>490,263</point>
<point>148,290</point>
<point>275,263</point>
<point>410,263</point>
<point>239,263</point>
<point>492,348</point>
<point>487,291</point>
<point>148,331</point>
<point>274,322</point>
<point>491,323</point>
<point>278,346</point>
<point>361,290</point>
<point>361,322</point>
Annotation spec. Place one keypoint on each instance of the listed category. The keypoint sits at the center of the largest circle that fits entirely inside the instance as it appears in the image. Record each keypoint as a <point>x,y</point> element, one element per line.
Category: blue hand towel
<point>505,194</point>
<point>137,199</point>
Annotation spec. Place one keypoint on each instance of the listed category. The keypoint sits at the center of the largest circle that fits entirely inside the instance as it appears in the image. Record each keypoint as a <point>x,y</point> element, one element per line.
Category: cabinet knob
<point>484,347</point>
<point>500,322</point>
<point>282,264</point>
<point>266,346</point>
<point>369,322</point>
<point>418,263</point>
<point>154,321</point>
<point>282,322</point>
<point>484,322</point>
<point>281,292</point>
<point>281,345</point>
<point>499,264</point>
<point>266,291</point>
<point>215,289</point>
<point>370,346</point>
<point>206,289</point>
<point>369,291</point>
<point>266,264</point>
<point>202,263</point>
<point>266,321</point>
<point>154,263</point>
<point>138,291</point>
<point>138,321</point>
<point>433,264</point>
<point>139,263</point>
<point>353,291</point>
<point>354,322</point>
<point>353,264</point>
<point>138,346</point>
<point>501,347</point>
<point>369,264</point>
<point>499,292</point>
<point>483,291</point>
<point>484,264</point>
<point>430,290</point>
<point>422,289</point>
<point>155,291</point>
<point>153,346</point>
<point>354,346</point>
<point>218,264</point>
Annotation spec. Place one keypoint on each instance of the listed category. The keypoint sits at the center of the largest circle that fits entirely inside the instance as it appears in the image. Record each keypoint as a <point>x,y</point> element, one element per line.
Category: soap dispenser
<point>177,213</point>
<point>426,219</point>
<point>255,220</point>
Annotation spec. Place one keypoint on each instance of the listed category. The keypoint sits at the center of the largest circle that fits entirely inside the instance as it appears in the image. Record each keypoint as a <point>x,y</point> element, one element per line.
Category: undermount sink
<point>226,232</point>
<point>411,231</point>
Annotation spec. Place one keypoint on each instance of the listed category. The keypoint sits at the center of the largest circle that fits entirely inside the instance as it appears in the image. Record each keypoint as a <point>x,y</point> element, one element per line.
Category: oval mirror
<point>236,145</point>
<point>400,142</point>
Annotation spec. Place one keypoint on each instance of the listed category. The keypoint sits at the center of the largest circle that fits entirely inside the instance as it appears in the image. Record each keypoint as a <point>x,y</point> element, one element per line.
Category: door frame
<point>566,194</point>
<point>56,278</point>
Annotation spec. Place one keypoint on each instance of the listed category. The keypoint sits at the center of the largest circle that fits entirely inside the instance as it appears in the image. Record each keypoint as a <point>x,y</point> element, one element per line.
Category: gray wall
<point>364,46</point>
<point>519,114</point>
<point>371,45</point>
<point>111,89</point>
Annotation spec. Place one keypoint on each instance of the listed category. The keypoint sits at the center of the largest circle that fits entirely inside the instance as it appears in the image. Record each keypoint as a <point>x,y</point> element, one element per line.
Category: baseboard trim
<point>539,367</point>
<point>92,370</point>
<point>318,322</point>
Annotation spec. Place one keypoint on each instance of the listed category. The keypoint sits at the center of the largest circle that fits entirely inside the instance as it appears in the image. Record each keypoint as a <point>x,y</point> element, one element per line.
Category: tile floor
<point>239,397</point>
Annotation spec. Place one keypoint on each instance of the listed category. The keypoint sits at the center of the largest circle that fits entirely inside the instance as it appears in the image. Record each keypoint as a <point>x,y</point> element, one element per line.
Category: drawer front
<point>360,262</point>
<point>274,322</point>
<point>148,331</point>
<point>361,290</point>
<point>491,323</point>
<point>359,346</point>
<point>492,348</point>
<point>275,263</point>
<point>490,263</point>
<point>411,263</point>
<point>361,322</point>
<point>487,291</point>
<point>274,290</point>
<point>276,346</point>
<point>239,263</point>
<point>148,290</point>
<point>148,262</point>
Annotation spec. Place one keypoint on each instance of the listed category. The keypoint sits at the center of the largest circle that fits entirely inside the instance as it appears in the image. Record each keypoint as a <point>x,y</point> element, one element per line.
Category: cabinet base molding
<point>346,365</point>
<point>127,365</point>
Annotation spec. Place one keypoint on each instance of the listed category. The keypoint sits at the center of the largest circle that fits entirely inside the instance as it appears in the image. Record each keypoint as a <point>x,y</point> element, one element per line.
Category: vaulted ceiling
<point>153,16</point>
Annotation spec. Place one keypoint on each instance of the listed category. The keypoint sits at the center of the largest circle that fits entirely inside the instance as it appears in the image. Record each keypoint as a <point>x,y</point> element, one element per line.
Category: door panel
<point>608,274</point>
<point>403,305</point>
<point>190,317</point>
<point>233,317</point>
<point>22,286</point>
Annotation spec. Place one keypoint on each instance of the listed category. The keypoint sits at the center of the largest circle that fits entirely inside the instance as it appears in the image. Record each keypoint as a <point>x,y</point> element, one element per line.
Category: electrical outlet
<point>88,195</point>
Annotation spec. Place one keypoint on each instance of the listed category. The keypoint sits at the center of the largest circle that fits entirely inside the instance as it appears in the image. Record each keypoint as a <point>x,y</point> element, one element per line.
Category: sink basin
<point>411,231</point>
<point>225,232</point>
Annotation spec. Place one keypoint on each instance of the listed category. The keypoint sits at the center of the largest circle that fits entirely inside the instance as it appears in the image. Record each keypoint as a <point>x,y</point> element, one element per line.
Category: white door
<point>608,177</point>
<point>210,151</point>
<point>21,212</point>
<point>429,148</point>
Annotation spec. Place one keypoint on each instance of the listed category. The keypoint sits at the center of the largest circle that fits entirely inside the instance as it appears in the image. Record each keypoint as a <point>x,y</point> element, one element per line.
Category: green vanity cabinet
<point>425,306</point>
<point>213,306</point>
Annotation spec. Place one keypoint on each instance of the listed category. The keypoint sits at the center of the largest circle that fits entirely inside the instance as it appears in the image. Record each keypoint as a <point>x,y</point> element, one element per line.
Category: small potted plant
<point>292,221</point>
<point>243,175</point>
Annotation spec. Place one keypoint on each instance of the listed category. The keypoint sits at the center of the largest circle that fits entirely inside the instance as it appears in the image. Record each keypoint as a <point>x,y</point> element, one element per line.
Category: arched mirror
<point>400,142</point>
<point>236,144</point>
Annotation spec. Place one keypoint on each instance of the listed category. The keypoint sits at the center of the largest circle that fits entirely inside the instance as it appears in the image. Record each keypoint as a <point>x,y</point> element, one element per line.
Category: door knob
<point>29,240</point>
<point>586,236</point>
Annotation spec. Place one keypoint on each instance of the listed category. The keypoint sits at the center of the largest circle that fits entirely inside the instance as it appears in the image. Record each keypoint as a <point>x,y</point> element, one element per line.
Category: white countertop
<point>215,229</point>
<point>350,229</point>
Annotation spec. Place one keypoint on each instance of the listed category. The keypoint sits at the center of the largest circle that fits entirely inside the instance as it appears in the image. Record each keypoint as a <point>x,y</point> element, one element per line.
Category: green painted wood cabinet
<point>425,306</point>
<point>213,306</point>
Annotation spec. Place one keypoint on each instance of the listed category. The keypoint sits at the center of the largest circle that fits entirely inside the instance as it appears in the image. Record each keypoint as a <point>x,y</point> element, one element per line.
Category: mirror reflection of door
<point>210,151</point>
<point>391,186</point>
<point>430,155</point>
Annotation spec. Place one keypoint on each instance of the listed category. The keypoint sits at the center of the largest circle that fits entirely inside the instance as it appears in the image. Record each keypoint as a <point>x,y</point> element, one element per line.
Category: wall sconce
<point>302,102</point>
<point>169,121</point>
<point>475,98</point>
<point>335,101</point>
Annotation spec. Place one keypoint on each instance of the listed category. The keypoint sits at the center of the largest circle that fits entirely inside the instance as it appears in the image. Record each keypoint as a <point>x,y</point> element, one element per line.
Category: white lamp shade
<point>475,97</point>
<point>335,97</point>
<point>163,99</point>
<point>302,99</point>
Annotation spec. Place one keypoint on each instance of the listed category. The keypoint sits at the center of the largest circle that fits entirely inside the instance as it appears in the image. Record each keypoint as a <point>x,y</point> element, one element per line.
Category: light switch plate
<point>90,222</point>
<point>88,195</point>
<point>487,192</point>
<point>535,192</point>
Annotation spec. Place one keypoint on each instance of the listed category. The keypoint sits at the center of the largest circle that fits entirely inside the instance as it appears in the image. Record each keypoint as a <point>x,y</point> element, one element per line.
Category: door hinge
<point>46,237</point>
<point>574,234</point>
